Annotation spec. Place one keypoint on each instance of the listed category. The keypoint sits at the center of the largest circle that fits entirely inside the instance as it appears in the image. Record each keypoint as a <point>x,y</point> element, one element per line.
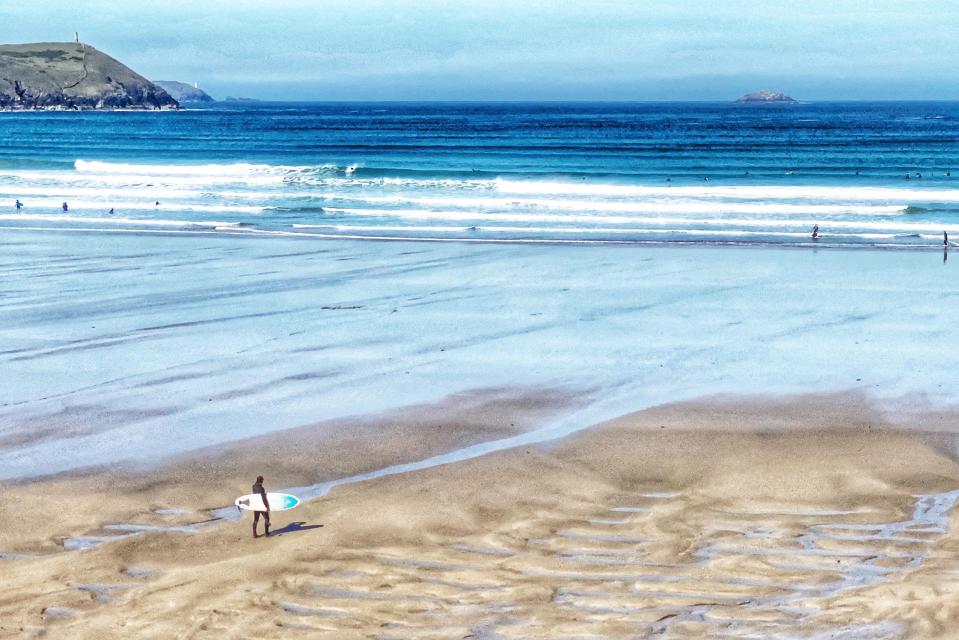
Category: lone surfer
<point>815,232</point>
<point>65,207</point>
<point>19,205</point>
<point>259,490</point>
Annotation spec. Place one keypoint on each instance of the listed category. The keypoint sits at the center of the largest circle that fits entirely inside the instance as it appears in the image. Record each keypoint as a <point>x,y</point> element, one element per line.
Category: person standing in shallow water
<point>815,232</point>
<point>260,491</point>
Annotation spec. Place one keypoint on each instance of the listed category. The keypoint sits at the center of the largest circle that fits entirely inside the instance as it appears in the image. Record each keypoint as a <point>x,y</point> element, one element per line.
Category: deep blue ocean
<point>875,174</point>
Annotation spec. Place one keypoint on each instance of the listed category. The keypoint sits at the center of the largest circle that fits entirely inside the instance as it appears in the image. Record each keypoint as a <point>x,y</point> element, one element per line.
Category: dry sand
<point>814,517</point>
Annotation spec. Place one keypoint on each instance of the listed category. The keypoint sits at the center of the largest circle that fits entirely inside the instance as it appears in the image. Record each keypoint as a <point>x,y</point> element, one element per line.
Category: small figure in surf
<point>156,204</point>
<point>111,211</point>
<point>259,490</point>
<point>815,232</point>
<point>65,206</point>
<point>19,205</point>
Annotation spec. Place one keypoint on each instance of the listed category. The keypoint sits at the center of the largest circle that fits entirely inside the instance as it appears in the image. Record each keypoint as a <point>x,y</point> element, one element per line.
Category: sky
<point>519,50</point>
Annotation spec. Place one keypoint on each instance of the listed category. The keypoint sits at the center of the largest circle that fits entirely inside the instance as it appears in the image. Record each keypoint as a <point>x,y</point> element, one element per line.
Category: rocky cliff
<point>184,93</point>
<point>767,96</point>
<point>58,75</point>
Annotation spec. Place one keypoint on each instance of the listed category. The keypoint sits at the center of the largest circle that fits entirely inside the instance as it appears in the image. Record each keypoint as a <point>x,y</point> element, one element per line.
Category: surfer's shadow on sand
<point>294,527</point>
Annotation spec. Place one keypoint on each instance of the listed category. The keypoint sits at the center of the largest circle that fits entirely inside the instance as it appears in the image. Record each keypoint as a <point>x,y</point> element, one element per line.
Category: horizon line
<point>797,103</point>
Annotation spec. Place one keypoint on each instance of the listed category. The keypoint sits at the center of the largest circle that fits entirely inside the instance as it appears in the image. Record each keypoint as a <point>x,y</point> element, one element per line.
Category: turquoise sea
<point>876,174</point>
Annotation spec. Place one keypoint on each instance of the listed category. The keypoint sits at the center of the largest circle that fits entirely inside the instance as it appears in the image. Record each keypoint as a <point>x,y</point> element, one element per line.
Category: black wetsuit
<point>260,491</point>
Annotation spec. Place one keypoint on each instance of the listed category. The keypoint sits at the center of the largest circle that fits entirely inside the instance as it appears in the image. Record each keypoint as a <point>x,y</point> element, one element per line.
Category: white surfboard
<point>278,502</point>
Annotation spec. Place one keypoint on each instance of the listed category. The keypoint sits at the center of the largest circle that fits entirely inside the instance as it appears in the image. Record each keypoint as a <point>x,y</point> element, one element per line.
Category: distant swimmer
<point>669,179</point>
<point>706,179</point>
<point>156,204</point>
<point>65,206</point>
<point>815,232</point>
<point>19,205</point>
<point>260,491</point>
<point>350,169</point>
<point>111,211</point>
<point>907,176</point>
<point>918,175</point>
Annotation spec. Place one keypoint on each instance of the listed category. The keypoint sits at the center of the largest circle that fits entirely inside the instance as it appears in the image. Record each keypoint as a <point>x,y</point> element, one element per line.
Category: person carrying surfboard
<point>260,491</point>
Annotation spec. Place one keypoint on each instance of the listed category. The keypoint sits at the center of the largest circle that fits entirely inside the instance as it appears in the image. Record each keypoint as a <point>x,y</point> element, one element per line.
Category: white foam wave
<point>116,220</point>
<point>645,223</point>
<point>482,217</point>
<point>546,231</point>
<point>142,205</point>
<point>755,192</point>
<point>666,206</point>
<point>138,180</point>
<point>26,191</point>
<point>320,176</point>
<point>237,169</point>
<point>435,205</point>
<point>415,184</point>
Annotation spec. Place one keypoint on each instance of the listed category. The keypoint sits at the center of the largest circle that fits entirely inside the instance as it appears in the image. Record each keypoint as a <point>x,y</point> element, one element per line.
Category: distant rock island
<point>184,93</point>
<point>72,75</point>
<point>766,97</point>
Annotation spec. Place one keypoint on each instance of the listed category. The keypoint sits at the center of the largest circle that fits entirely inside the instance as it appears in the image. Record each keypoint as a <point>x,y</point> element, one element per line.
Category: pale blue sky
<point>532,49</point>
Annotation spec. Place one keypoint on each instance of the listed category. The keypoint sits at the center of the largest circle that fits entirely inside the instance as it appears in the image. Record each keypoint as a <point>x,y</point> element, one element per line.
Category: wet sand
<point>798,517</point>
<point>140,347</point>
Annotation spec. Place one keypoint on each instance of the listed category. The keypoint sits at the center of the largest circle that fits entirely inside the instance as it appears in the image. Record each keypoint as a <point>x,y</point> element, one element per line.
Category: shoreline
<point>718,244</point>
<point>698,504</point>
<point>374,442</point>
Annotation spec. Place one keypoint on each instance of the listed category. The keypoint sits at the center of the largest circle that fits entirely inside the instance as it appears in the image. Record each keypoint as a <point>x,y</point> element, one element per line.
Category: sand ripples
<point>764,572</point>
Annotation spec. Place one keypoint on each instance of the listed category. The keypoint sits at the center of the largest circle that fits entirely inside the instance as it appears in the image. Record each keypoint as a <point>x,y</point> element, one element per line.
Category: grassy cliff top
<point>71,71</point>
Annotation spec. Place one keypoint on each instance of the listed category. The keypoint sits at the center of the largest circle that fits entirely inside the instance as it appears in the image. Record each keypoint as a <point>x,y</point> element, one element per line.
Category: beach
<point>732,516</point>
<point>491,440</point>
<point>535,370</point>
